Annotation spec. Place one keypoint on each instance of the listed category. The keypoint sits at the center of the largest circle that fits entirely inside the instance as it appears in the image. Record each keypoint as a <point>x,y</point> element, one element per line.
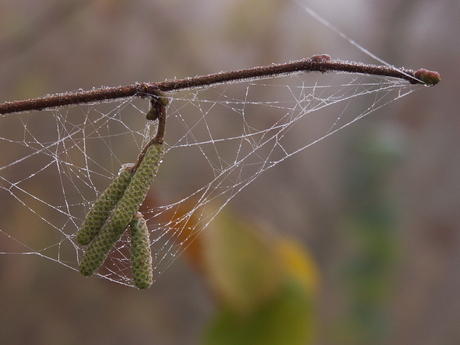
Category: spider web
<point>219,139</point>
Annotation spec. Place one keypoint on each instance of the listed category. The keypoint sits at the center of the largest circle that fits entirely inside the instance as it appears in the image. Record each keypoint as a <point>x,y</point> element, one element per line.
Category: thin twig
<point>158,104</point>
<point>317,63</point>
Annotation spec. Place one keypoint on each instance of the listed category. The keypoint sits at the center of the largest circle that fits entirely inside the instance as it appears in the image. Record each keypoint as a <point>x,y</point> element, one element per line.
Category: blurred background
<point>376,205</point>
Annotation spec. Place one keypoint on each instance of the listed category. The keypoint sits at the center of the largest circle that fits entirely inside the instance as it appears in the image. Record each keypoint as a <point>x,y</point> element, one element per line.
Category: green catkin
<point>141,256</point>
<point>134,195</point>
<point>102,208</point>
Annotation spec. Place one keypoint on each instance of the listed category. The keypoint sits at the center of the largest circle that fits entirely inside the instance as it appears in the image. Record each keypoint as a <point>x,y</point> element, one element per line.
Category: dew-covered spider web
<point>55,163</point>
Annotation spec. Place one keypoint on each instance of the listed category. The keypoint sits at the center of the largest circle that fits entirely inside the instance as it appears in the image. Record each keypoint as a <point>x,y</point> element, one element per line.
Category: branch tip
<point>429,78</point>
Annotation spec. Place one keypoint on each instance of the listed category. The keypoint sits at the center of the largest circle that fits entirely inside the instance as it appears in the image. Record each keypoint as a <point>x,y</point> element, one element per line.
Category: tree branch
<point>317,63</point>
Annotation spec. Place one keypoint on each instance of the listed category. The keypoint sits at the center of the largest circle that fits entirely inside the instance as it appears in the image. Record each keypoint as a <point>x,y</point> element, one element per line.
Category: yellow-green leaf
<point>241,263</point>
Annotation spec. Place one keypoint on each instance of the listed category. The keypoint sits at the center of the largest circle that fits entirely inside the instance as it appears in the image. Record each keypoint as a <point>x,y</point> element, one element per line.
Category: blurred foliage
<point>370,228</point>
<point>265,284</point>
<point>287,318</point>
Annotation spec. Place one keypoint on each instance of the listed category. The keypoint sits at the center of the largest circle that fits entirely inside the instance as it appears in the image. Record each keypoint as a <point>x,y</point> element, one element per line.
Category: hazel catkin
<point>134,195</point>
<point>141,255</point>
<point>103,207</point>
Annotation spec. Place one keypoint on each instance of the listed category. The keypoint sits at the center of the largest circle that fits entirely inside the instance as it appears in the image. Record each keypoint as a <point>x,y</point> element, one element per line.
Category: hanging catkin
<point>141,256</point>
<point>125,210</point>
<point>103,207</point>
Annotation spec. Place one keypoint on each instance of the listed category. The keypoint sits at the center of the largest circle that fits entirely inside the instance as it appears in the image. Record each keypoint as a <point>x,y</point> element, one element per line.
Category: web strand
<point>219,140</point>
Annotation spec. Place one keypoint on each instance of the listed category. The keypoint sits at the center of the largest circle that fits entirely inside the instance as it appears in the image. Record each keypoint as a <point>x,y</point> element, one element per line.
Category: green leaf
<point>241,263</point>
<point>285,319</point>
